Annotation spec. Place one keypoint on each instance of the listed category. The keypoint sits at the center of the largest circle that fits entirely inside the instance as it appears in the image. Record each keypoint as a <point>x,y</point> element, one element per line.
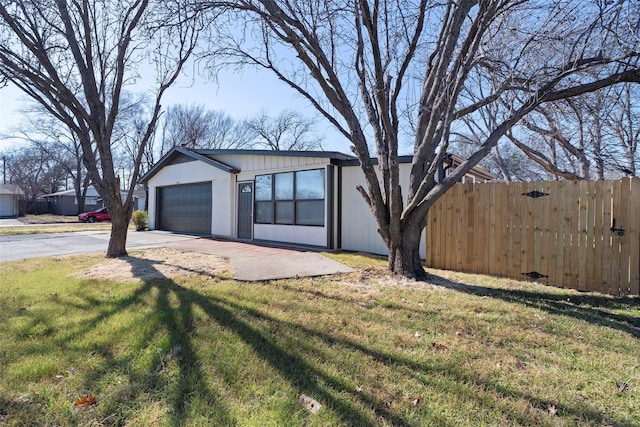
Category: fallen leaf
<point>552,409</point>
<point>438,346</point>
<point>416,401</point>
<point>417,335</point>
<point>86,401</point>
<point>358,389</point>
<point>312,405</point>
<point>622,387</point>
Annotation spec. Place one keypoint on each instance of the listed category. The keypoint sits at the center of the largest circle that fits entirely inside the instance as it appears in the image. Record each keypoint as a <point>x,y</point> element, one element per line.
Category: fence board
<point>607,247</point>
<point>563,238</point>
<point>590,236</point>
<point>634,237</point>
<point>625,220</point>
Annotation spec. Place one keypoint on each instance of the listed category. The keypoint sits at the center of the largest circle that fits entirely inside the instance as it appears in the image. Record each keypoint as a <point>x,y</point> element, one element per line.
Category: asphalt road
<point>13,248</point>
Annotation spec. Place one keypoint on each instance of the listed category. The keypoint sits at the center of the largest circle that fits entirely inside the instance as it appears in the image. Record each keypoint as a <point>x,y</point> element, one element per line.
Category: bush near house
<point>140,219</point>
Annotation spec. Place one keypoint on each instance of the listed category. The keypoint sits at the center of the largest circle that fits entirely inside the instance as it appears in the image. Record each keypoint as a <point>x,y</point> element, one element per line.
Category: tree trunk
<point>404,255</point>
<point>119,228</point>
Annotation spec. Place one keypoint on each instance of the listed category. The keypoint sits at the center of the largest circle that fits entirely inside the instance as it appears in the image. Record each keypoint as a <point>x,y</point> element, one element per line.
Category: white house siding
<point>252,165</point>
<point>359,228</point>
<point>8,205</point>
<point>193,172</point>
<point>313,236</point>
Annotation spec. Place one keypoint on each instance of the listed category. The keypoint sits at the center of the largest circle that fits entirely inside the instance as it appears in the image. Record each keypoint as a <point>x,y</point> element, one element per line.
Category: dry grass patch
<point>157,263</point>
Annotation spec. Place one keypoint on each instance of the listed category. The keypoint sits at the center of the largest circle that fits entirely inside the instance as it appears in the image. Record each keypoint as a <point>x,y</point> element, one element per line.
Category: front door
<point>245,210</point>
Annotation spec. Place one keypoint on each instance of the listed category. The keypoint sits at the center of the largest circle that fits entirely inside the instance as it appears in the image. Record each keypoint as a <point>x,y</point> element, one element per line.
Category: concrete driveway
<point>249,262</point>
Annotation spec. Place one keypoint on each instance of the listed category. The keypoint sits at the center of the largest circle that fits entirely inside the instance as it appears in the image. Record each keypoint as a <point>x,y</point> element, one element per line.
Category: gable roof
<point>91,192</point>
<point>207,156</point>
<point>11,189</point>
<point>176,152</point>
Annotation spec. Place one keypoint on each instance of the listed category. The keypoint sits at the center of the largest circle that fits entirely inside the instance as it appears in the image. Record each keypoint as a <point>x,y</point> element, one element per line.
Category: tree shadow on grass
<point>300,374</point>
<point>589,307</point>
<point>175,308</point>
<point>334,391</point>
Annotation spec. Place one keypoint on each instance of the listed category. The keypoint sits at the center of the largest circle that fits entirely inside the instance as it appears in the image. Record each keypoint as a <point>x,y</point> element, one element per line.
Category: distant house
<point>10,197</point>
<point>139,198</point>
<point>298,197</point>
<point>65,202</point>
<point>476,174</point>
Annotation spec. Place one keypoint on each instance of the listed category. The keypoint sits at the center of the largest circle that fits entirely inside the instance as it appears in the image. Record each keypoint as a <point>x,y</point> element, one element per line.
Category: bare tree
<point>623,126</point>
<point>367,65</point>
<point>35,172</point>
<point>591,136</point>
<point>194,126</point>
<point>287,131</point>
<point>129,130</point>
<point>75,59</point>
<point>59,144</point>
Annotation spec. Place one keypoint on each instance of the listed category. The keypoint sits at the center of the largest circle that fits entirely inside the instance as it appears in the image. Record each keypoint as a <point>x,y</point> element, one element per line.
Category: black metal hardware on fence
<point>535,194</point>
<point>620,231</point>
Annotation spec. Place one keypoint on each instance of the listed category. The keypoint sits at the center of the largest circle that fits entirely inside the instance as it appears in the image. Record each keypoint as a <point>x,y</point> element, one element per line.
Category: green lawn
<point>372,350</point>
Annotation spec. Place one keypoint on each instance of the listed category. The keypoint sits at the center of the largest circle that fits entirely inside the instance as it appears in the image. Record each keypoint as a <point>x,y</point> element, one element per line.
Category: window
<point>295,198</point>
<point>263,194</point>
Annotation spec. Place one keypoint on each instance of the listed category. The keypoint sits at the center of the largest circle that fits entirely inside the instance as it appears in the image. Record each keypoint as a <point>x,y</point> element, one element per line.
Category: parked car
<point>95,216</point>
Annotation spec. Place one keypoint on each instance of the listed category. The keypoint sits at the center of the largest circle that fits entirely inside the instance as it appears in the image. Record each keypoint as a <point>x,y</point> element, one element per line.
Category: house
<point>297,197</point>
<point>10,197</point>
<point>65,202</point>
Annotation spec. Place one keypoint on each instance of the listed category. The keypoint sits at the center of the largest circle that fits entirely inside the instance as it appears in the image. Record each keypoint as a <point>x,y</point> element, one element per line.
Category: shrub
<point>140,220</point>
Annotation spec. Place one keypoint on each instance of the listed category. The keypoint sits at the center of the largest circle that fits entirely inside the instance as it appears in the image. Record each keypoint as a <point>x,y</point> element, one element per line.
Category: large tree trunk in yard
<point>119,228</point>
<point>404,254</point>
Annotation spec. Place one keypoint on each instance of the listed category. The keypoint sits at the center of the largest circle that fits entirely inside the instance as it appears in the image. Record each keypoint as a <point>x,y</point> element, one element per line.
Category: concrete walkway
<point>249,262</point>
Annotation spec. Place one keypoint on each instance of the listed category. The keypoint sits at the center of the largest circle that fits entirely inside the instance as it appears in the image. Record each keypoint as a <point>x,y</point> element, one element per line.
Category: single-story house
<point>66,203</point>
<point>10,196</point>
<point>297,197</point>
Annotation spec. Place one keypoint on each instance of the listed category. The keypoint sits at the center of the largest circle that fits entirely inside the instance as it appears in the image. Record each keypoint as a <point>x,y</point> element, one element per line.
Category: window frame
<point>274,201</point>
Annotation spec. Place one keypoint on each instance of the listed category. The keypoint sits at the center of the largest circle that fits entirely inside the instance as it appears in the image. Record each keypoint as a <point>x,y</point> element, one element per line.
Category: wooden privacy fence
<point>583,235</point>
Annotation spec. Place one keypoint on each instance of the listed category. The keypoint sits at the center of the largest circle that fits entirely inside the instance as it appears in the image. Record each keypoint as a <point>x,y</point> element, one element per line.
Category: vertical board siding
<point>568,238</point>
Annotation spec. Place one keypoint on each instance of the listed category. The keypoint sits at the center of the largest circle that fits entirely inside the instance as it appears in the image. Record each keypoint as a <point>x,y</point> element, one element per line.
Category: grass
<point>48,219</point>
<point>372,350</point>
<point>49,223</point>
<point>46,229</point>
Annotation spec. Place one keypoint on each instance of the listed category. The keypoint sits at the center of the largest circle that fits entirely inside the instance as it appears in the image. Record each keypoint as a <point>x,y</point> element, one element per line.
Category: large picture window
<point>295,198</point>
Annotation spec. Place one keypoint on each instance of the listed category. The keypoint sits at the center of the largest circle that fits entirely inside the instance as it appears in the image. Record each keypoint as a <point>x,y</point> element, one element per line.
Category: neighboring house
<point>297,197</point>
<point>10,197</point>
<point>65,202</point>
<point>476,174</point>
<point>139,198</point>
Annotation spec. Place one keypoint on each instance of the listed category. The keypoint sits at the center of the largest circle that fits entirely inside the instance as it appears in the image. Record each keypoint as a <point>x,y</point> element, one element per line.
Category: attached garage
<point>185,208</point>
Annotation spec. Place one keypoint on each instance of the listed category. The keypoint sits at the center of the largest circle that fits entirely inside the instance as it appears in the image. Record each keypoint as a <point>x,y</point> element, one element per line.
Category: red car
<point>95,216</point>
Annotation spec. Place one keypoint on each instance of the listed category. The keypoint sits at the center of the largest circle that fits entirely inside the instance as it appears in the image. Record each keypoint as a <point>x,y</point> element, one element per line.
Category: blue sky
<point>240,95</point>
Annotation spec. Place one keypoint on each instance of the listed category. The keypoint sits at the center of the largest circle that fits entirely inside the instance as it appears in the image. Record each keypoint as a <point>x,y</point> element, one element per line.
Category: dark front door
<point>245,210</point>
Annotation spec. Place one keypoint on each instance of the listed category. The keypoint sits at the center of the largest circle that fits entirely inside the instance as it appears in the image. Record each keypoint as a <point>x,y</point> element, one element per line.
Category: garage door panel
<point>185,208</point>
